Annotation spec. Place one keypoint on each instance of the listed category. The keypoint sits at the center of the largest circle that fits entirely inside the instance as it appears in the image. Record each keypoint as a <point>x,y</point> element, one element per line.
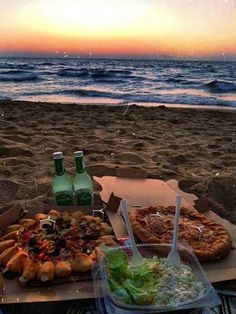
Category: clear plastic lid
<point>207,297</point>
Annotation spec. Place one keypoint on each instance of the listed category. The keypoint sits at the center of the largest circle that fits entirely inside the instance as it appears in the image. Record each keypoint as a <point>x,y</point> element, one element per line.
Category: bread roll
<point>62,269</point>
<point>90,219</point>
<point>10,235</point>
<point>82,263</point>
<point>67,217</point>
<point>108,240</point>
<point>30,270</point>
<point>77,215</point>
<point>27,222</point>
<point>54,214</point>
<point>6,244</point>
<point>40,216</point>
<point>46,271</point>
<point>17,261</point>
<point>7,254</point>
<point>14,227</point>
<point>106,229</point>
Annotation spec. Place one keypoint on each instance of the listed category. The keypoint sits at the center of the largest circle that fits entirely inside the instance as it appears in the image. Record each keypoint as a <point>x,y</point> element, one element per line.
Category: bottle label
<point>64,198</point>
<point>84,197</point>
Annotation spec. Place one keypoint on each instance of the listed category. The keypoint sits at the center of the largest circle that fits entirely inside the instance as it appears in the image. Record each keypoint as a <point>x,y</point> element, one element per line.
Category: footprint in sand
<point>95,157</point>
<point>33,189</point>
<point>178,159</point>
<point>14,151</point>
<point>130,158</point>
<point>228,139</point>
<point>101,170</point>
<point>8,190</point>
<point>17,138</point>
<point>3,142</point>
<point>216,153</point>
<point>139,145</point>
<point>174,146</point>
<point>213,146</point>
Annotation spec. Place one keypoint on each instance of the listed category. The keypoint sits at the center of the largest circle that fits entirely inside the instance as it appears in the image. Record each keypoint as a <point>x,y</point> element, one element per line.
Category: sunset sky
<point>119,28</point>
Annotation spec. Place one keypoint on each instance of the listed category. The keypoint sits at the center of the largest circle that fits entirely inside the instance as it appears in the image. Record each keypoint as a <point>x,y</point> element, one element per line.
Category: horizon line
<point>128,57</point>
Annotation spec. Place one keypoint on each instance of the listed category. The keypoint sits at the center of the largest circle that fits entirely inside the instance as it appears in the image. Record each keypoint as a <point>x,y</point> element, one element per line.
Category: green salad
<point>155,282</point>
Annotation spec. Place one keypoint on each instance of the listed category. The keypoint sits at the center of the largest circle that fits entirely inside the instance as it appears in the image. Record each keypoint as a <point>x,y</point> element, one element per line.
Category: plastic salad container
<point>169,293</point>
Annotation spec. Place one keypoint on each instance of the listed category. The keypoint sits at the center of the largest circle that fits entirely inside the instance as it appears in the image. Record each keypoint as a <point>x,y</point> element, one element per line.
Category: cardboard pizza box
<point>138,190</point>
<point>142,191</point>
<point>10,289</point>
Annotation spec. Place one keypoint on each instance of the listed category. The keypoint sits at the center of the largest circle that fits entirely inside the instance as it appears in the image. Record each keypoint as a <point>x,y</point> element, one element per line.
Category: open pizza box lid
<point>138,190</point>
<point>10,289</point>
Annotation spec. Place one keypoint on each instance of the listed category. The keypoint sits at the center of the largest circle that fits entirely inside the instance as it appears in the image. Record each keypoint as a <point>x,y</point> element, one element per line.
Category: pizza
<point>208,240</point>
<point>52,245</point>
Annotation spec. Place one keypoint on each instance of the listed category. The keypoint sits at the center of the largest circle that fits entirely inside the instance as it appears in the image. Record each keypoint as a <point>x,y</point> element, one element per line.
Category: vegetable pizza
<point>51,245</point>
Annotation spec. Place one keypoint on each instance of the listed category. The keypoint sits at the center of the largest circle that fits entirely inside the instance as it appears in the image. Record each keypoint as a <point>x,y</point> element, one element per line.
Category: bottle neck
<point>59,167</point>
<point>79,164</point>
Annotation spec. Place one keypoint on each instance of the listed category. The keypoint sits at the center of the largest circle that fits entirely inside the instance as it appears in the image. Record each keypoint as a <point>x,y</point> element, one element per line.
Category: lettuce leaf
<point>144,275</point>
<point>119,292</point>
<point>117,263</point>
<point>140,295</point>
<point>132,284</point>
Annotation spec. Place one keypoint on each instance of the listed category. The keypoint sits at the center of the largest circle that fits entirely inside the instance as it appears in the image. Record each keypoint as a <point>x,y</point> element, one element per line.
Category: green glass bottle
<point>61,184</point>
<point>82,183</point>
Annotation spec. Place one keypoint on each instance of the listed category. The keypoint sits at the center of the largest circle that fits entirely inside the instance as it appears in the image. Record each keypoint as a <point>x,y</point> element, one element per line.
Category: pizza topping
<point>44,240</point>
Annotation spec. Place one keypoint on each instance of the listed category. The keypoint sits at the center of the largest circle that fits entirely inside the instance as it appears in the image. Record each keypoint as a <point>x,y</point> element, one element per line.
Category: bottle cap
<point>57,155</point>
<point>78,153</point>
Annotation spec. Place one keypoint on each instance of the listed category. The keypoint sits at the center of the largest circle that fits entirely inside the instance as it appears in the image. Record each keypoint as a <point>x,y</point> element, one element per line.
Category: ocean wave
<point>182,99</point>
<point>153,81</point>
<point>21,66</point>
<point>47,63</point>
<point>174,80</point>
<point>110,81</point>
<point>182,81</point>
<point>209,68</point>
<point>120,72</point>
<point>220,86</point>
<point>12,72</point>
<point>91,93</point>
<point>152,98</point>
<point>25,66</point>
<point>93,73</point>
<point>99,73</point>
<point>72,72</point>
<point>18,76</point>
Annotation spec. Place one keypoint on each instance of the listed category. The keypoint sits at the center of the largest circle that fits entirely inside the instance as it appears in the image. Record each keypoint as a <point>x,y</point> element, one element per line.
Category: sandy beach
<point>194,146</point>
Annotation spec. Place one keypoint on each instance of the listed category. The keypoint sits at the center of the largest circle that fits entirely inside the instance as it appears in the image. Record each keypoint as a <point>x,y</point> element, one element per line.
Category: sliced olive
<point>35,249</point>
<point>32,241</point>
<point>61,243</point>
<point>56,252</point>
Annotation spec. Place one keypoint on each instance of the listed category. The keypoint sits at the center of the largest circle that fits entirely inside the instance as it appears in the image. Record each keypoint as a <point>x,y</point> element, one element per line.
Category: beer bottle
<point>61,184</point>
<point>82,183</point>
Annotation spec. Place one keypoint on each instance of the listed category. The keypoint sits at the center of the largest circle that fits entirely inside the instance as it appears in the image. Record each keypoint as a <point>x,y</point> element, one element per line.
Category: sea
<point>119,81</point>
